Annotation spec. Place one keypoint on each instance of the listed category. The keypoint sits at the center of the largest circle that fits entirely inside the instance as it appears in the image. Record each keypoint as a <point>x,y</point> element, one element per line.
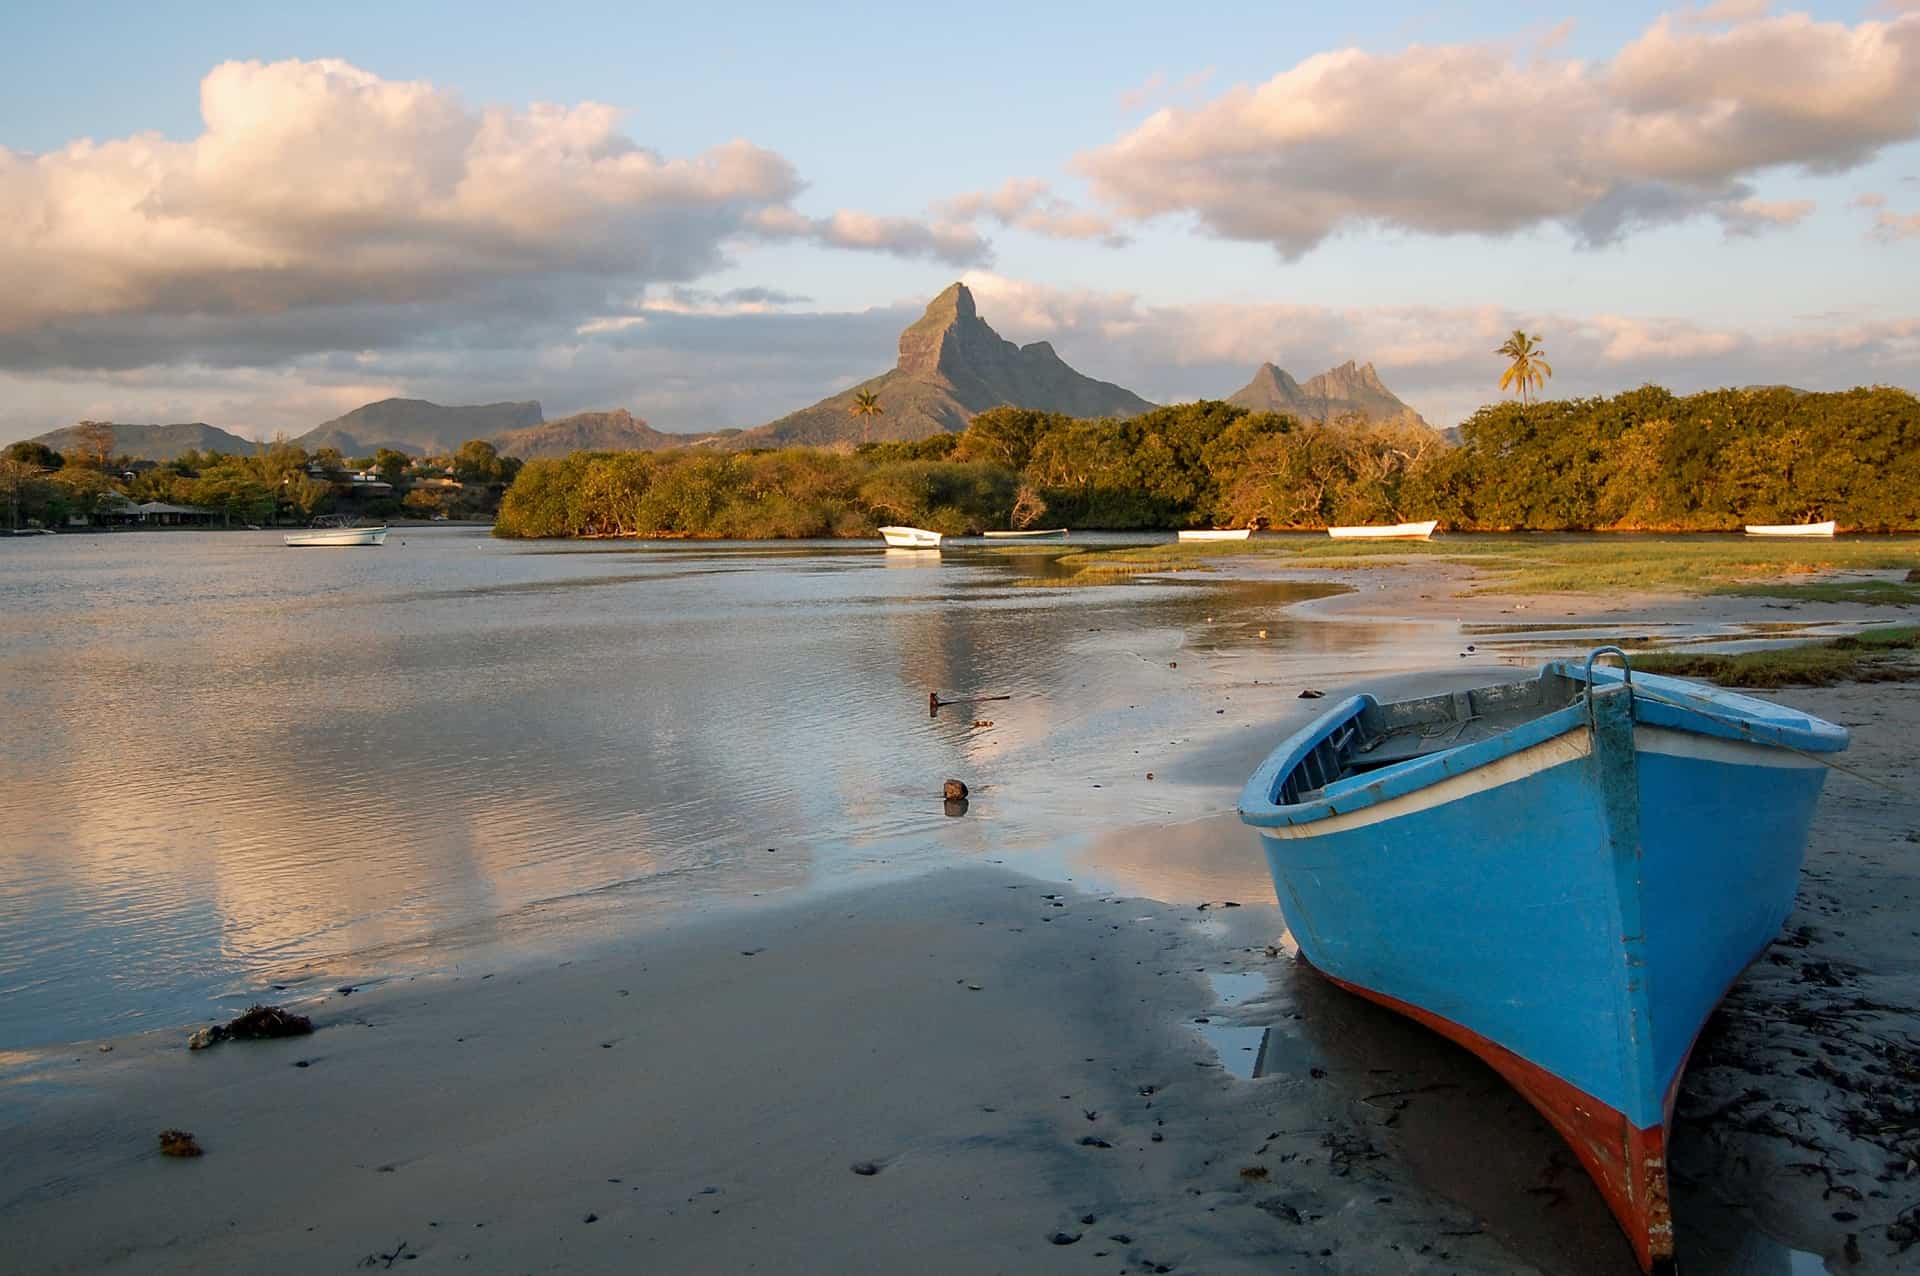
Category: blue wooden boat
<point>1563,873</point>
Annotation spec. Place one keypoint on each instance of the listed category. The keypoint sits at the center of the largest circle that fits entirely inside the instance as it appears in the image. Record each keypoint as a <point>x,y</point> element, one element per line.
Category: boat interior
<point>1384,735</point>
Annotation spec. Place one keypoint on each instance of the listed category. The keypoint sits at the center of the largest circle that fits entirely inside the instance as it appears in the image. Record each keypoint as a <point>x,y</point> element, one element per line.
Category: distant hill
<point>417,427</point>
<point>615,431</point>
<point>1346,391</point>
<point>156,442</point>
<point>952,365</point>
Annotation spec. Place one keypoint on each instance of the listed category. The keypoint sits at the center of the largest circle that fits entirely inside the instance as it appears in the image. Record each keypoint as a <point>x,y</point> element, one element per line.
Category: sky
<point>263,216</point>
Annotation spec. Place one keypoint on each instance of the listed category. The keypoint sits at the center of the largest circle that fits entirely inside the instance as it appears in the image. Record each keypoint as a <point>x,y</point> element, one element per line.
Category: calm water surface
<point>227,765</point>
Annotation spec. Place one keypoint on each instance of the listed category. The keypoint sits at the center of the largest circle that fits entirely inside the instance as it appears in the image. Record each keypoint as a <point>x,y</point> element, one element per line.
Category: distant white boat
<point>326,532</point>
<point>1052,533</point>
<point>1395,532</point>
<point>911,538</point>
<point>1791,529</point>
<point>1216,533</point>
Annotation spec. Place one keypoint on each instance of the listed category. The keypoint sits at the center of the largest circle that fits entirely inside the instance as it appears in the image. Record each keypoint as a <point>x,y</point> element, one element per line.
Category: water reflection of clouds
<point>243,760</point>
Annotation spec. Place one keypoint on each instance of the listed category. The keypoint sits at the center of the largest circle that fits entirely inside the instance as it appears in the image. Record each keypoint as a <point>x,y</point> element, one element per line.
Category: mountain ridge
<point>1348,390</point>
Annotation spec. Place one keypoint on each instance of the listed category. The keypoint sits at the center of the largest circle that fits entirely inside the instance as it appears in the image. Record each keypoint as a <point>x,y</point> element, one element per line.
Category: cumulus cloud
<point>1896,225</point>
<point>1481,138</point>
<point>1030,204</point>
<point>317,190</point>
<point>1752,216</point>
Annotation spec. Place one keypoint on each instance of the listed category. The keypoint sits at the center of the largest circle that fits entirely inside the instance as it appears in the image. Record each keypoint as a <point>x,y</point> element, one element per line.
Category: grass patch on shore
<point>1871,590</point>
<point>1561,565</point>
<point>1877,655</point>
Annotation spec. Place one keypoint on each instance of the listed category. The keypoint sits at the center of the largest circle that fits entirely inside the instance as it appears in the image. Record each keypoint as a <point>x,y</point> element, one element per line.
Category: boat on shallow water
<point>1042,534</point>
<point>1791,529</point>
<point>329,530</point>
<point>1563,873</point>
<point>1215,533</point>
<point>1385,531</point>
<point>910,538</point>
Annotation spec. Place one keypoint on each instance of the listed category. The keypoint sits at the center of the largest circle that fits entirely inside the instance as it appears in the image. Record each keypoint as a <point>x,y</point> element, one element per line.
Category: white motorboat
<point>910,538</point>
<point>1791,529</point>
<point>1386,532</point>
<point>336,532</point>
<point>1047,534</point>
<point>1216,533</point>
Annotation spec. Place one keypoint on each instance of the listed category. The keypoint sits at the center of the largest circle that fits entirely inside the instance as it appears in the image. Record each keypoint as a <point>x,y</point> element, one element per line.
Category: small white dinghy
<point>1046,534</point>
<point>335,532</point>
<point>1216,533</point>
<point>910,538</point>
<point>1392,532</point>
<point>1791,529</point>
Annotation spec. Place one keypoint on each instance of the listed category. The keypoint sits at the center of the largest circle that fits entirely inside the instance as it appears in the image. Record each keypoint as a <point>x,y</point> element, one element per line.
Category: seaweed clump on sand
<point>178,1143</point>
<point>257,1024</point>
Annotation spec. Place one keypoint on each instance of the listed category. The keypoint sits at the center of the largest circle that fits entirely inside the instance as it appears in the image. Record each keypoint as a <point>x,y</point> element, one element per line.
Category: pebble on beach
<point>954,790</point>
<point>178,1143</point>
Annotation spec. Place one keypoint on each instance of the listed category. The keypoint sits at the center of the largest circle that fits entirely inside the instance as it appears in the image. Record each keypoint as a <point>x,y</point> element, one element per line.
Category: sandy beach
<point>972,1070</point>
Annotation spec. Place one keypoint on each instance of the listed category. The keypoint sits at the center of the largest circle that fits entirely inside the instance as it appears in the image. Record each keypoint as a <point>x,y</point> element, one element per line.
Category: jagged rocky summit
<point>1348,391</point>
<point>952,365</point>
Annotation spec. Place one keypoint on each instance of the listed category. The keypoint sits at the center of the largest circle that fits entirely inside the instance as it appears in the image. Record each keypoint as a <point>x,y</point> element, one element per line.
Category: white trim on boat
<point>1791,529</point>
<point>1546,755</point>
<point>1391,532</point>
<point>1025,536</point>
<point>1215,533</point>
<point>1685,744</point>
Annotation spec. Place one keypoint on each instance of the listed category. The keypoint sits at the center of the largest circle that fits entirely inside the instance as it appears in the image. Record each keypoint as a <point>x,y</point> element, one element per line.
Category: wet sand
<point>1010,1059</point>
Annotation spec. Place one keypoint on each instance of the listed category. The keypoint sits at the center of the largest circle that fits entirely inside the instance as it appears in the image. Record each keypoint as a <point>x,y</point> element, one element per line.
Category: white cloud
<point>1481,138</point>
<point>317,187</point>
<point>1869,199</point>
<point>1030,204</point>
<point>1897,226</point>
<point>1752,216</point>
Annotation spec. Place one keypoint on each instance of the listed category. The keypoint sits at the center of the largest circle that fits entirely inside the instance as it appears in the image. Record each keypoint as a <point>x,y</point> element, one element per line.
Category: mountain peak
<point>953,365</point>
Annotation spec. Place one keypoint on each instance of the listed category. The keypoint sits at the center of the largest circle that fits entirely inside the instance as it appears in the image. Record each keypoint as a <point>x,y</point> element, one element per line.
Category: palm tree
<point>866,406</point>
<point>1527,370</point>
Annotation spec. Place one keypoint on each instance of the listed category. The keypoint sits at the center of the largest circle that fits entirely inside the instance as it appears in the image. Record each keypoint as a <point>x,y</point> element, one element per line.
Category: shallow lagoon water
<point>233,770</point>
<point>229,765</point>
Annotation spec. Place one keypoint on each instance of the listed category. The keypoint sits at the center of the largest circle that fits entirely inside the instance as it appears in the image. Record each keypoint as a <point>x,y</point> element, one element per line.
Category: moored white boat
<point>1791,529</point>
<point>1051,533</point>
<point>1215,533</point>
<point>1385,532</point>
<point>1562,873</point>
<point>337,534</point>
<point>910,538</point>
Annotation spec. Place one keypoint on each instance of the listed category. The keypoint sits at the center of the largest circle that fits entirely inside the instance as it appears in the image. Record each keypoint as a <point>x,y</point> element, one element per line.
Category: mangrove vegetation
<point>1645,460</point>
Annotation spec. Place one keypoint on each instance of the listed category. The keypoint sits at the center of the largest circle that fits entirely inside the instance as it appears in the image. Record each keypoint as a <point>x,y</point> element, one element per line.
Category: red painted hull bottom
<point>1629,1165</point>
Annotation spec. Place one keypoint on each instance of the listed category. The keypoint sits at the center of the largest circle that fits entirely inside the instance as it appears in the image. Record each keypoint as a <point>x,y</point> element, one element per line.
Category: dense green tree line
<point>1643,460</point>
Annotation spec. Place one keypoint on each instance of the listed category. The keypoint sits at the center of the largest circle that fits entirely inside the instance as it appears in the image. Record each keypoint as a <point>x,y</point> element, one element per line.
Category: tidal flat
<point>620,890</point>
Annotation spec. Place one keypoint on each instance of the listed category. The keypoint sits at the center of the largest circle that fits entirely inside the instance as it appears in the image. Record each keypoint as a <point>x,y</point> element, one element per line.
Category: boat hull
<point>336,537</point>
<point>1571,912</point>
<point>1825,529</point>
<point>1051,534</point>
<point>1392,532</point>
<point>1216,534</point>
<point>910,538</point>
